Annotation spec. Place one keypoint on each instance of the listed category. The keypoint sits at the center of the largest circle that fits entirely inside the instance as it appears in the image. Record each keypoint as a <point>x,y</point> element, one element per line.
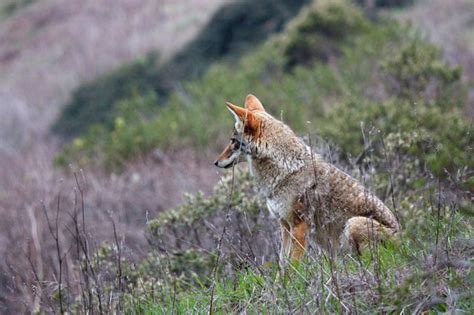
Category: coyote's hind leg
<point>360,232</point>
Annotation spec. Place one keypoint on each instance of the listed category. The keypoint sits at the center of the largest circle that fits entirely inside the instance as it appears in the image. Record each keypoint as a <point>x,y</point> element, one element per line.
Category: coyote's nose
<point>216,162</point>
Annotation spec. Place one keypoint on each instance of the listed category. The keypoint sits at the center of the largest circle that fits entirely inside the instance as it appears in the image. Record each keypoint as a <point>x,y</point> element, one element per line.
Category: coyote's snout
<point>231,154</point>
<point>303,189</point>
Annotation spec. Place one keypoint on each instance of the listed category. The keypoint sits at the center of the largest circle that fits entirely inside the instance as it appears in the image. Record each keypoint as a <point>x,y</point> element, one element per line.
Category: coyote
<point>302,189</point>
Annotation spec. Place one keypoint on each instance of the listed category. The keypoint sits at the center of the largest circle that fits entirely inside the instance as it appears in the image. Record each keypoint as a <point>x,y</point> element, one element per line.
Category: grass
<point>390,278</point>
<point>429,268</point>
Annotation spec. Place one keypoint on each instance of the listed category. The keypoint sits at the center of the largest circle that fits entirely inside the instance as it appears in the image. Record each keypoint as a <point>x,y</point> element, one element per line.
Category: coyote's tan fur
<point>300,186</point>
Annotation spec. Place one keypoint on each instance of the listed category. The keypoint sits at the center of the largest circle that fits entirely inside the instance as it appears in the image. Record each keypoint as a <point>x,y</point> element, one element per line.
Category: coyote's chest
<point>279,207</point>
<point>281,199</point>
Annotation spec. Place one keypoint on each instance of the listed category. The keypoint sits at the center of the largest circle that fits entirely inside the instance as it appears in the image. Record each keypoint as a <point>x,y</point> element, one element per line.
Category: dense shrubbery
<point>440,140</point>
<point>319,33</point>
<point>130,135</point>
<point>398,271</point>
<point>417,71</point>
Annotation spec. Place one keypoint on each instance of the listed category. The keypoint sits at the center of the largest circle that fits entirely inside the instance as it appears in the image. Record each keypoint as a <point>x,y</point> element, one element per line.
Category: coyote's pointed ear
<point>239,114</point>
<point>243,118</point>
<point>252,103</point>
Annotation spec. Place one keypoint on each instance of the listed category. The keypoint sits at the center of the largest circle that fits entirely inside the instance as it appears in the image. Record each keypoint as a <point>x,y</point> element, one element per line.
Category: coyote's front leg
<point>298,238</point>
<point>285,241</point>
<point>293,234</point>
<point>293,239</point>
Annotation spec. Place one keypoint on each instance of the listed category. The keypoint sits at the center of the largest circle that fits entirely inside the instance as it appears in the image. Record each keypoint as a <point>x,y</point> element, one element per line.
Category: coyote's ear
<point>243,117</point>
<point>253,103</point>
<point>239,114</point>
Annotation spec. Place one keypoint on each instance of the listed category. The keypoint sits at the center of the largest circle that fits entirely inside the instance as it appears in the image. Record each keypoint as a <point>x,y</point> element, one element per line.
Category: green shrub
<point>129,137</point>
<point>363,85</point>
<point>224,248</point>
<point>317,33</point>
<point>416,68</point>
<point>96,102</point>
<point>441,140</point>
<point>235,192</point>
<point>433,231</point>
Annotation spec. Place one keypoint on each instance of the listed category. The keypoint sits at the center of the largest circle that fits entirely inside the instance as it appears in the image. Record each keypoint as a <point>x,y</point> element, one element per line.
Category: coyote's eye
<point>235,143</point>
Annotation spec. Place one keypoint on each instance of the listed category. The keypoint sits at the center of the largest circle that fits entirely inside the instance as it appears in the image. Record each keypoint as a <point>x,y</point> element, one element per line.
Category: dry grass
<point>30,185</point>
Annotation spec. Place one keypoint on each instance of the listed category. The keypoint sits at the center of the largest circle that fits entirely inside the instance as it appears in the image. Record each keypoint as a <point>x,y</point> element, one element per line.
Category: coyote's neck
<point>274,164</point>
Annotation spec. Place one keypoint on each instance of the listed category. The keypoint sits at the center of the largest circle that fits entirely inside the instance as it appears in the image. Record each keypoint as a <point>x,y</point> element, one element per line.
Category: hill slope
<point>49,47</point>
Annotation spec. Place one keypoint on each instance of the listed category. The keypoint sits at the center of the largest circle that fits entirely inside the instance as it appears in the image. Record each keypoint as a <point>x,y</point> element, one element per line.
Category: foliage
<point>425,270</point>
<point>233,29</point>
<point>197,207</point>
<point>441,140</point>
<point>417,67</point>
<point>318,32</point>
<point>122,143</point>
<point>406,94</point>
<point>98,101</point>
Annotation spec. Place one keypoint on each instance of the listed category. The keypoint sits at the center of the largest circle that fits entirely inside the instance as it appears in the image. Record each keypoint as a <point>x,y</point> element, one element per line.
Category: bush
<point>417,71</point>
<point>406,94</point>
<point>129,137</point>
<point>96,102</point>
<point>235,192</point>
<point>440,140</point>
<point>224,248</point>
<point>318,32</point>
<point>432,232</point>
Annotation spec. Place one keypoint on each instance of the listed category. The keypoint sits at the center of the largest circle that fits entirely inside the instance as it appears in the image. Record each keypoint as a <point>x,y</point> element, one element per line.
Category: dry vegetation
<point>30,189</point>
<point>48,48</point>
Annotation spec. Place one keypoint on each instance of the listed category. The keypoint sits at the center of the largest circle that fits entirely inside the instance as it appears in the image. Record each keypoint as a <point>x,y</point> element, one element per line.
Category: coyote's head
<point>247,130</point>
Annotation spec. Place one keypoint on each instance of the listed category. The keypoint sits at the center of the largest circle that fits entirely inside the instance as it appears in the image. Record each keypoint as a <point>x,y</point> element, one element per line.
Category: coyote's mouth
<point>230,164</point>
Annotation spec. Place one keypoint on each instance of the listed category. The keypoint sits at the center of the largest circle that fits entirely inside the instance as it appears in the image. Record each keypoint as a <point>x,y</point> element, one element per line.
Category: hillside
<point>134,218</point>
<point>234,29</point>
<point>49,47</point>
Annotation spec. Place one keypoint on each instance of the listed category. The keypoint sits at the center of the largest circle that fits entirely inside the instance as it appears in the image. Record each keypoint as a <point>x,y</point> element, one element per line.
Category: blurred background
<point>111,111</point>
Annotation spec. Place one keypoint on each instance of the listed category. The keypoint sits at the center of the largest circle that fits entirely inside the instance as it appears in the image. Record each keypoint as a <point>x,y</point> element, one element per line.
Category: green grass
<point>429,267</point>
<point>388,278</point>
